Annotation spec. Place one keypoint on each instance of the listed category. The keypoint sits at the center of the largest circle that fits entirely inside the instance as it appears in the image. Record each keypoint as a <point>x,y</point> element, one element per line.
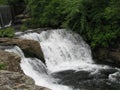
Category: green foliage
<point>2,66</point>
<point>7,32</point>
<point>23,28</point>
<point>45,13</point>
<point>6,2</point>
<point>96,20</point>
<point>3,2</point>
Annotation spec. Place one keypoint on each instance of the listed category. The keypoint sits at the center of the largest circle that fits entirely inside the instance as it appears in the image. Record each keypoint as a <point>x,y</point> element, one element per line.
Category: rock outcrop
<point>10,60</point>
<point>16,81</point>
<point>12,77</point>
<point>30,48</point>
<point>107,56</point>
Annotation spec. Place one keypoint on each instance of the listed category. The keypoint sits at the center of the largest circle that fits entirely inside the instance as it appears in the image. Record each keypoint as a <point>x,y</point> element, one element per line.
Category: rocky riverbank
<point>31,48</point>
<point>12,77</point>
<point>17,81</point>
<point>10,60</point>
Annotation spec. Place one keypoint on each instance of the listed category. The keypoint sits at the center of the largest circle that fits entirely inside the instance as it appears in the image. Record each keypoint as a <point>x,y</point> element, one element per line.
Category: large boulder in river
<point>17,81</point>
<point>10,60</point>
<point>30,48</point>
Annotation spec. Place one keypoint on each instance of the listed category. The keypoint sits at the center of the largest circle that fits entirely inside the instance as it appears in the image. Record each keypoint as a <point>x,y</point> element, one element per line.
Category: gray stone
<point>11,61</point>
<point>17,81</point>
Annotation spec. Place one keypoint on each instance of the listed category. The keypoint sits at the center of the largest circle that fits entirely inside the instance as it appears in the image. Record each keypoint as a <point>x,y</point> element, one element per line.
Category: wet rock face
<point>72,75</point>
<point>86,80</point>
<point>11,61</point>
<point>16,81</point>
<point>30,48</point>
<point>115,56</point>
<point>107,56</point>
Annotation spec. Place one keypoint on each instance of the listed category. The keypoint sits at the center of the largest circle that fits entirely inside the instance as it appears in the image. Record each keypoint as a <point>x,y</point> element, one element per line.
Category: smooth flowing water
<point>69,64</point>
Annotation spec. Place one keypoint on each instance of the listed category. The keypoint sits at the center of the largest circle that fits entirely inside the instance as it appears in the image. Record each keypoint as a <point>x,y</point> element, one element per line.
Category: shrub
<point>7,32</point>
<point>23,28</point>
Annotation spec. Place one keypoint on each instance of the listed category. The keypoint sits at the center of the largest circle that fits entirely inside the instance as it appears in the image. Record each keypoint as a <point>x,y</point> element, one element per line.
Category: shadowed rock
<point>30,48</point>
<point>107,56</point>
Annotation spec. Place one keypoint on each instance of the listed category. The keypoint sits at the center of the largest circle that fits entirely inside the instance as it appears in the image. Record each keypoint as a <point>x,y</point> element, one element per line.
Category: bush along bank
<point>97,21</point>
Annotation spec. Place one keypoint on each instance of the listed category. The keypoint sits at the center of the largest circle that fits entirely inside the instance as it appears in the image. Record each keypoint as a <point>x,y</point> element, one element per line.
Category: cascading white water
<point>35,69</point>
<point>63,50</point>
<point>16,50</point>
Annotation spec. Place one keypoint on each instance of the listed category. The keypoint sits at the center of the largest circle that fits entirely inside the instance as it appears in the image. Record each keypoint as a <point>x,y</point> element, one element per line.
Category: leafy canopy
<point>96,20</point>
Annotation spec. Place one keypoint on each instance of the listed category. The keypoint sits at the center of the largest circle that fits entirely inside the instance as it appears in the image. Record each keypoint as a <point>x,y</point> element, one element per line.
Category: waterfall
<point>35,69</point>
<point>68,61</point>
<point>5,16</point>
<point>16,50</point>
<point>64,50</point>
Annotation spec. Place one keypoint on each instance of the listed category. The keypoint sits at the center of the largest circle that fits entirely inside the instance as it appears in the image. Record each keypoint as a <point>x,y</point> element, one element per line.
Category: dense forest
<point>97,21</point>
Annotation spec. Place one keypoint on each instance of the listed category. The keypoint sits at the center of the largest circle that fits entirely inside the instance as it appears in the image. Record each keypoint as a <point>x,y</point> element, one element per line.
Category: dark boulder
<point>109,56</point>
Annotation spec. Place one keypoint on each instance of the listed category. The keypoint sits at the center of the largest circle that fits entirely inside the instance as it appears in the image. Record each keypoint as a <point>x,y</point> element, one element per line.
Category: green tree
<point>97,21</point>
